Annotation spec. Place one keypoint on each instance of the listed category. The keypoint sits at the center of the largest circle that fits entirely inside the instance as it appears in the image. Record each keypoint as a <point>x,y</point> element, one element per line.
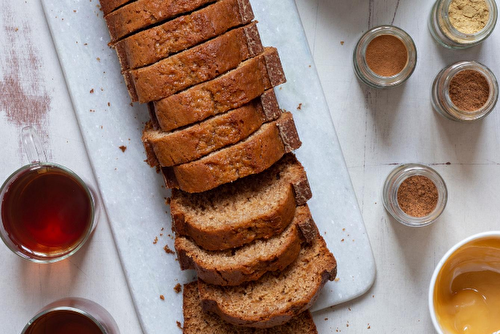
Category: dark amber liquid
<point>46,210</point>
<point>63,322</point>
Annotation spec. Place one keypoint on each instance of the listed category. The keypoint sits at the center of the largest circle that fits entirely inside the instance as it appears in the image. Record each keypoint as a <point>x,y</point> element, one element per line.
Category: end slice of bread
<point>196,321</point>
<point>256,207</point>
<point>184,145</point>
<point>276,297</point>
<point>250,156</point>
<point>249,262</point>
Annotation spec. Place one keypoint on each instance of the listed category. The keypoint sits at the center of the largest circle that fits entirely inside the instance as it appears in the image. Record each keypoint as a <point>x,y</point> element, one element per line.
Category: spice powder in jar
<point>417,196</point>
<point>469,16</point>
<point>469,90</point>
<point>386,55</point>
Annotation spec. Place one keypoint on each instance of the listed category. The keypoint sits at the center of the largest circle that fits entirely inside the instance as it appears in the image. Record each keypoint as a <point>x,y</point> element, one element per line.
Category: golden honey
<point>467,290</point>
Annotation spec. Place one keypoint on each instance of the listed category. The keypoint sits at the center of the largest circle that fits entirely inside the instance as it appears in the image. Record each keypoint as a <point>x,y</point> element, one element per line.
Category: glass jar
<point>448,36</point>
<point>93,312</point>
<point>441,101</point>
<point>390,194</point>
<point>363,71</point>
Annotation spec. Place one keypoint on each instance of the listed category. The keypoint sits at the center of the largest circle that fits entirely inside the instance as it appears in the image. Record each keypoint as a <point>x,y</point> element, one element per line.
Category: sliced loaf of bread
<point>143,13</point>
<point>148,46</point>
<point>196,65</point>
<point>191,143</point>
<point>256,207</point>
<point>196,321</point>
<point>250,156</point>
<point>251,261</point>
<point>276,297</point>
<point>226,92</point>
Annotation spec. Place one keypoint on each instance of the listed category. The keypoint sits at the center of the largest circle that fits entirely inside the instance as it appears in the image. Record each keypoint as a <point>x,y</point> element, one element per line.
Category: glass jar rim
<point>64,308</point>
<point>57,257</point>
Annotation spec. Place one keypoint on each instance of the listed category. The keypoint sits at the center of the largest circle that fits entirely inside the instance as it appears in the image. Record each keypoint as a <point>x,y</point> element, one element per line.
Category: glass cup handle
<point>32,145</point>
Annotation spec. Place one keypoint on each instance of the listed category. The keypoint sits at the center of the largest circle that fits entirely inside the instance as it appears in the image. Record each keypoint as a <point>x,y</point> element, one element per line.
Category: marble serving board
<point>134,195</point>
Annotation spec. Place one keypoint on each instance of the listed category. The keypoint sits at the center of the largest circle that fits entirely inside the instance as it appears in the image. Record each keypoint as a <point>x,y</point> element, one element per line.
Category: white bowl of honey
<point>464,294</point>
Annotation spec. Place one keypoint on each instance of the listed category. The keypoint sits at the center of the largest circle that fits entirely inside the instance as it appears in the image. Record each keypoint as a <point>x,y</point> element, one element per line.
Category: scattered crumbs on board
<point>179,325</point>
<point>326,319</point>
<point>162,297</point>
<point>342,42</point>
<point>368,326</point>
<point>109,104</point>
<point>168,250</point>
<point>98,59</point>
<point>178,288</point>
<point>337,279</point>
<point>299,107</point>
<point>155,241</point>
<point>123,148</point>
<point>92,91</point>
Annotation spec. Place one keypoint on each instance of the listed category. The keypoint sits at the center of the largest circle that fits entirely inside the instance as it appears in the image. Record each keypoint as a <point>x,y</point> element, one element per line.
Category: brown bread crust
<point>196,65</point>
<point>185,145</point>
<point>229,91</point>
<point>255,225</point>
<point>251,261</point>
<point>108,6</point>
<point>143,13</point>
<point>276,297</point>
<point>196,321</point>
<point>251,156</point>
<point>149,46</point>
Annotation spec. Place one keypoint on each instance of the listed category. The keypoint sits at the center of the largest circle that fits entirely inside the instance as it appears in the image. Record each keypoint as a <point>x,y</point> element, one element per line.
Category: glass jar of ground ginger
<point>460,24</point>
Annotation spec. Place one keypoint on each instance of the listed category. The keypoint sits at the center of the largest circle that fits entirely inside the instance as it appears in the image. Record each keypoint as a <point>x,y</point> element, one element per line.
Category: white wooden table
<point>377,130</point>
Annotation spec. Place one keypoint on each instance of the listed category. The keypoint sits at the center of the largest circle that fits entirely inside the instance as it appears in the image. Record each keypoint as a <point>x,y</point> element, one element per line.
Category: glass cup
<point>77,313</point>
<point>42,220</point>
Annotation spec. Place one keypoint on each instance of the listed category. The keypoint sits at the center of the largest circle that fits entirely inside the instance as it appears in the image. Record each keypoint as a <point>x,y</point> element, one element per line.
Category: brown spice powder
<point>386,55</point>
<point>417,196</point>
<point>469,90</point>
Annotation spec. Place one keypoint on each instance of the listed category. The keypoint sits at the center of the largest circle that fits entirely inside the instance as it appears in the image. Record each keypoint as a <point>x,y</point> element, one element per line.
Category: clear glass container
<point>448,36</point>
<point>441,101</point>
<point>390,194</point>
<point>363,71</point>
<point>89,309</point>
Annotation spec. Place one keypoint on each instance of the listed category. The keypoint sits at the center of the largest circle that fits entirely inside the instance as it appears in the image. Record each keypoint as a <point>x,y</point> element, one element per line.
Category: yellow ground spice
<point>469,16</point>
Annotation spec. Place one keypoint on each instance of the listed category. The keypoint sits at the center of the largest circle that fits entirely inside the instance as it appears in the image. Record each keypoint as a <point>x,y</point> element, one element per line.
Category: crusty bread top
<point>143,13</point>
<point>108,6</point>
<point>276,297</point>
<point>249,262</point>
<point>237,213</point>
<point>198,322</point>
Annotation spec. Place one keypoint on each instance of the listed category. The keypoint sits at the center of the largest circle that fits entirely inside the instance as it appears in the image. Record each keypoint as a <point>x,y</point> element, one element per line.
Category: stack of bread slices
<point>239,196</point>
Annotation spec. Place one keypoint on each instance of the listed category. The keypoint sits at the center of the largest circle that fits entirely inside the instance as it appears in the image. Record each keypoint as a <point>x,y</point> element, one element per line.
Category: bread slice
<point>144,13</point>
<point>188,144</point>
<point>196,321</point>
<point>226,92</point>
<point>276,297</point>
<point>199,64</point>
<point>149,46</point>
<point>250,156</point>
<point>251,261</point>
<point>255,207</point>
<point>108,6</point>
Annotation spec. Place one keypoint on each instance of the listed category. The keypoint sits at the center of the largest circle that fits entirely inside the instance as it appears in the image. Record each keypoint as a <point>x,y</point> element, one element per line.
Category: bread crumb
<point>92,90</point>
<point>123,148</point>
<point>342,42</point>
<point>342,240</point>
<point>326,319</point>
<point>299,107</point>
<point>168,250</point>
<point>155,241</point>
<point>109,104</point>
<point>98,59</point>
<point>131,104</point>
<point>16,29</point>
<point>368,326</point>
<point>74,10</point>
<point>349,308</point>
<point>337,279</point>
<point>162,297</point>
<point>85,44</point>
<point>310,66</point>
<point>162,229</point>
<point>178,288</point>
<point>343,230</point>
<point>179,325</point>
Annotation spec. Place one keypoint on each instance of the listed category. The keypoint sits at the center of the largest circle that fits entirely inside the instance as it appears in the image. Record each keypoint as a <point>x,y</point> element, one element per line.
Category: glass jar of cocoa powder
<point>385,56</point>
<point>465,91</point>
<point>460,24</point>
<point>415,195</point>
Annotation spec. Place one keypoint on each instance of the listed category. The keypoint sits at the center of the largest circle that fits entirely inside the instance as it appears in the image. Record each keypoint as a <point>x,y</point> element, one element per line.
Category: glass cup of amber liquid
<point>72,316</point>
<point>47,212</point>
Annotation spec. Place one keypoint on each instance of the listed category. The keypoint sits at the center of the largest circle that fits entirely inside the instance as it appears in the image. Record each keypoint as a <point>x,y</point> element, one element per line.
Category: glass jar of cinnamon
<point>415,195</point>
<point>385,56</point>
<point>465,91</point>
<point>456,25</point>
